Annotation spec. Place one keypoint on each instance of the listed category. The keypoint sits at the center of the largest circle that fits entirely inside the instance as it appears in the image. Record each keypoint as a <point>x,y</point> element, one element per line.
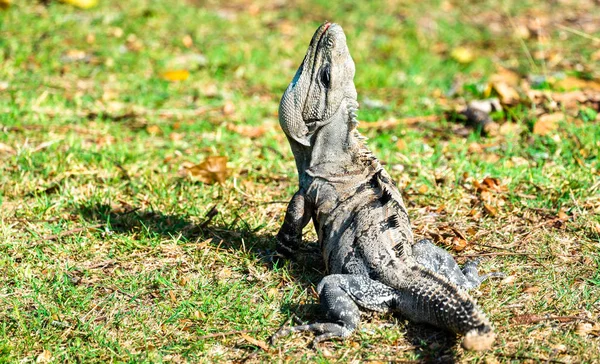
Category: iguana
<point>358,213</point>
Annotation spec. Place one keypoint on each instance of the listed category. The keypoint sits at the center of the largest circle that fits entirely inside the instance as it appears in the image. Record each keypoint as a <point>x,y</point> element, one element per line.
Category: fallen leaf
<point>248,130</point>
<point>82,4</point>
<point>261,344</point>
<point>570,83</point>
<point>228,107</point>
<point>213,169</point>
<point>490,209</point>
<point>462,55</point>
<point>458,244</point>
<point>172,297</point>
<point>547,123</point>
<point>506,76</point>
<point>423,189</point>
<point>44,357</point>
<point>562,215</point>
<point>4,4</point>
<point>153,129</point>
<point>583,328</point>
<point>508,95</point>
<point>6,149</point>
<point>74,55</point>
<point>175,75</point>
<point>531,289</point>
<point>187,41</point>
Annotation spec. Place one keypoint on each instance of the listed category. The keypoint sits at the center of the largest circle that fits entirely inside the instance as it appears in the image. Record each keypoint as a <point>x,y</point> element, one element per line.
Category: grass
<point>108,254</point>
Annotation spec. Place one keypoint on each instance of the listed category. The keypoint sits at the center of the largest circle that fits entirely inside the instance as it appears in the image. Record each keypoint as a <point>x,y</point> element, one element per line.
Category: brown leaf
<point>248,130</point>
<point>506,76</point>
<point>570,83</point>
<point>531,289</point>
<point>175,75</point>
<point>583,328</point>
<point>458,244</point>
<point>490,209</point>
<point>228,108</point>
<point>423,189</point>
<point>6,149</point>
<point>44,357</point>
<point>508,95</point>
<point>562,215</point>
<point>212,169</point>
<point>153,129</point>
<point>547,123</point>
<point>187,41</point>
<point>261,344</point>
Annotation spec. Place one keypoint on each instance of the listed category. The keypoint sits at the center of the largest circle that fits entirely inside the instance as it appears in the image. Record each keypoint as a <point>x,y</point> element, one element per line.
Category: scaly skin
<point>360,218</point>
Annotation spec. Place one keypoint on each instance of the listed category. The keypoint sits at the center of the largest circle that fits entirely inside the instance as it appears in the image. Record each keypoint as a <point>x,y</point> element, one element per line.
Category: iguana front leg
<point>297,216</point>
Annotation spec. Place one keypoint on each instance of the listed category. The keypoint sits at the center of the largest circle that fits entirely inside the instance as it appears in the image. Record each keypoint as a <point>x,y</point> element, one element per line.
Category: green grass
<point>108,254</point>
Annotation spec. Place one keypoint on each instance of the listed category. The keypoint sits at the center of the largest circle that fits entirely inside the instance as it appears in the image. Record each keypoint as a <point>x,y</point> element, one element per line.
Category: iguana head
<point>324,80</point>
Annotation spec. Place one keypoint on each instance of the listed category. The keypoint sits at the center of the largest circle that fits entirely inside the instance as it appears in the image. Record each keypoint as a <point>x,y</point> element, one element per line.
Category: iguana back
<point>361,221</point>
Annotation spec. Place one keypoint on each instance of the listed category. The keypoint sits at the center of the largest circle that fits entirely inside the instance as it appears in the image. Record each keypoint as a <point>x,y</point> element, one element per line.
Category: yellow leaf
<point>462,55</point>
<point>82,4</point>
<point>153,129</point>
<point>175,75</point>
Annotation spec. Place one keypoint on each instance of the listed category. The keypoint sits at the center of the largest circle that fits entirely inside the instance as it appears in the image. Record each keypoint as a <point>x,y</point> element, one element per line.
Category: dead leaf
<point>248,130</point>
<point>562,215</point>
<point>531,289</point>
<point>74,55</point>
<point>213,169</point>
<point>44,357</point>
<point>153,129</point>
<point>172,297</point>
<point>458,244</point>
<point>6,149</point>
<point>4,4</point>
<point>508,95</point>
<point>491,210</point>
<point>423,189</point>
<point>228,107</point>
<point>583,328</point>
<point>547,123</point>
<point>261,344</point>
<point>82,4</point>
<point>506,76</point>
<point>175,75</point>
<point>462,55</point>
<point>570,83</point>
<point>187,41</point>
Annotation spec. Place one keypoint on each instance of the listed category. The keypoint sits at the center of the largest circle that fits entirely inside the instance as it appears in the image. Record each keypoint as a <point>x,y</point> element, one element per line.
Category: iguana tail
<point>431,298</point>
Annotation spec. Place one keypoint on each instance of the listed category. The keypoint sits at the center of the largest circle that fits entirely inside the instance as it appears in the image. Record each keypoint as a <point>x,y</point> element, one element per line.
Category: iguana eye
<point>325,76</point>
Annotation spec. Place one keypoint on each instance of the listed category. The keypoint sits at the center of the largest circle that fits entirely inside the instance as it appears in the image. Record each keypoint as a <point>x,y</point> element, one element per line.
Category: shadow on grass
<point>431,344</point>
